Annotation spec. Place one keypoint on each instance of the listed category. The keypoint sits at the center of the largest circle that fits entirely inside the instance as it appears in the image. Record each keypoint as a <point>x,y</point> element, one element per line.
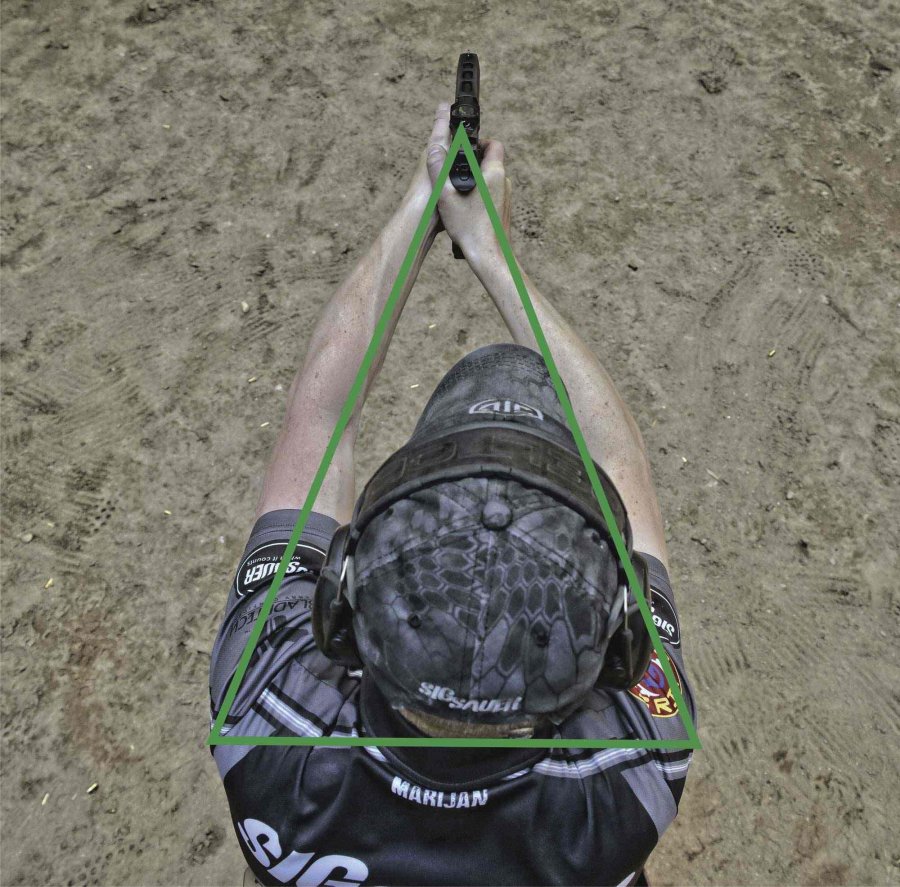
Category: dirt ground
<point>708,190</point>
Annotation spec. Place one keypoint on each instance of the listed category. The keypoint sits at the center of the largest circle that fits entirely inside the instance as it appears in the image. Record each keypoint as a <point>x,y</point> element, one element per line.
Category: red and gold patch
<point>654,690</point>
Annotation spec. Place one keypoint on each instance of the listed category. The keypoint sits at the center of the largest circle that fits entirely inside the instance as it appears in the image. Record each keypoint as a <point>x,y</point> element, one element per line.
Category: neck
<point>451,765</point>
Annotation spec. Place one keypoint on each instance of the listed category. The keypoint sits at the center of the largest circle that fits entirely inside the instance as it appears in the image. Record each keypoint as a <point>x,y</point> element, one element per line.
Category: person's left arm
<point>334,353</point>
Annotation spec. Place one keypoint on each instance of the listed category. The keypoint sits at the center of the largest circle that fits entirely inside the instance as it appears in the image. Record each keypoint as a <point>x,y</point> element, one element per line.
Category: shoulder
<point>653,709</point>
<point>285,642</point>
<point>269,539</point>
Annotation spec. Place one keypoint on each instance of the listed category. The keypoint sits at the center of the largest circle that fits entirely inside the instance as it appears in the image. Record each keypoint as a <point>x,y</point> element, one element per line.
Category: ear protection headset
<point>484,450</point>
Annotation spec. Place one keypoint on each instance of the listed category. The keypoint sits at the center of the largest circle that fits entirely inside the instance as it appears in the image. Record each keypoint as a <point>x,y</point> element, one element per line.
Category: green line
<point>451,742</point>
<point>460,142</point>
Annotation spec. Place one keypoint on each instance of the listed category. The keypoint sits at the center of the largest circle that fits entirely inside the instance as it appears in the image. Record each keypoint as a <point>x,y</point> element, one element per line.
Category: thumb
<point>438,142</point>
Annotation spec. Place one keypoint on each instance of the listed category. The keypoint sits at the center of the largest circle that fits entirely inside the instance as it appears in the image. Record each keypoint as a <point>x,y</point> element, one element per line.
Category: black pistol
<point>465,112</point>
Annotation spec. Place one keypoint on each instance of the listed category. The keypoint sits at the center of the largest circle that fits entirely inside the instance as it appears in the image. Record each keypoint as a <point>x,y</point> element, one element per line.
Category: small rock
<point>244,307</point>
<point>712,82</point>
<point>879,67</point>
<point>26,537</point>
<point>789,494</point>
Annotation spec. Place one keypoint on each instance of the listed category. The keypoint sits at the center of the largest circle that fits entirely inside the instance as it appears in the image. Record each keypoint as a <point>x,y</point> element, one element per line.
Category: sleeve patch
<point>665,618</point>
<point>654,690</point>
<point>258,568</point>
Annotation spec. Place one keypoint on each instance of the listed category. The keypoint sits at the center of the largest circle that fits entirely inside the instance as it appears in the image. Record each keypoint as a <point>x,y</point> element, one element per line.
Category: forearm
<point>610,431</point>
<point>347,323</point>
<point>336,349</point>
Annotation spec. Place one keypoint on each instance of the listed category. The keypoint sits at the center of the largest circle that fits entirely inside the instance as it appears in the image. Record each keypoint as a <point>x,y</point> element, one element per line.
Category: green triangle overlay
<point>460,142</point>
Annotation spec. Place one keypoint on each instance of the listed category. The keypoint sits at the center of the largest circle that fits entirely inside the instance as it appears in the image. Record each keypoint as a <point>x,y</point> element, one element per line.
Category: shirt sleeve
<point>287,632</point>
<point>650,710</point>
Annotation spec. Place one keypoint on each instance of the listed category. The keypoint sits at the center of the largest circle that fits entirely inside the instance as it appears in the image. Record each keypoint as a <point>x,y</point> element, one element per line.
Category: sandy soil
<point>709,190</point>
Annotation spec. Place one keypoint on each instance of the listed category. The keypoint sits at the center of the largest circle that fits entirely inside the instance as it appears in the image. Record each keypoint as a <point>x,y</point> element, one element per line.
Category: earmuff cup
<point>627,657</point>
<point>630,647</point>
<point>332,614</point>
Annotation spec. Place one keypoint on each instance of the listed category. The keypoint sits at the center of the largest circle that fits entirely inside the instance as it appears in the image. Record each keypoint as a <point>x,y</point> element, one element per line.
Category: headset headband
<point>489,450</point>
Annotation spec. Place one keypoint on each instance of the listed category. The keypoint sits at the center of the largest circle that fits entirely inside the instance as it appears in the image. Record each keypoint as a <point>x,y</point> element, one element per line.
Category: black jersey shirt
<point>343,816</point>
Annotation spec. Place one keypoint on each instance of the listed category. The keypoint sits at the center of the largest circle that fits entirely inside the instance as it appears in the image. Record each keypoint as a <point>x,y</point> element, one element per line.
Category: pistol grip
<point>461,175</point>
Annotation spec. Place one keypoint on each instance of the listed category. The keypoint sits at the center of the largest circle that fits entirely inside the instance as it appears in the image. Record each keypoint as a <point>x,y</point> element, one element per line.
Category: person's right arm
<point>610,432</point>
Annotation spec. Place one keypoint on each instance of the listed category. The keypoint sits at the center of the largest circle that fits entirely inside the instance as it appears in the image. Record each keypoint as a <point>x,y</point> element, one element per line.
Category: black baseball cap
<point>483,598</point>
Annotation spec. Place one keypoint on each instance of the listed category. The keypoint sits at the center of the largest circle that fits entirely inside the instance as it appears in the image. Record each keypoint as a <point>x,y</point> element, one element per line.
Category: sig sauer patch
<point>654,690</point>
<point>262,563</point>
<point>665,618</point>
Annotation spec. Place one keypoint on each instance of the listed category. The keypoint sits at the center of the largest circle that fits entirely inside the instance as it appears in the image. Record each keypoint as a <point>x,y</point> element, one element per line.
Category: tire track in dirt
<point>824,728</point>
<point>750,749</point>
<point>111,404</point>
<point>720,666</point>
<point>64,456</point>
<point>884,686</point>
<point>790,321</point>
<point>33,397</point>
